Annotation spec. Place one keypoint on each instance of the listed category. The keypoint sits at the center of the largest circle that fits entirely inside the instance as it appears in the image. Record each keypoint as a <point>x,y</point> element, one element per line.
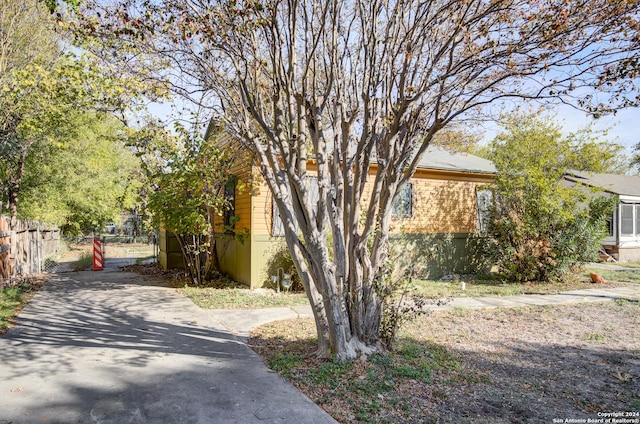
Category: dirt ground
<point>555,364</point>
<point>74,251</point>
<point>543,363</point>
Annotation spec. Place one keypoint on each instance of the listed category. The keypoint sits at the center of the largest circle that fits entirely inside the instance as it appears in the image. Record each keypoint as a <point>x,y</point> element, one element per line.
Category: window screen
<point>484,200</point>
<point>626,225</point>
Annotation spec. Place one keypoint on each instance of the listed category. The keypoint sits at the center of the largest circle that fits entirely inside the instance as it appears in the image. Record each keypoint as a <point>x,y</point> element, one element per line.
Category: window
<point>403,204</point>
<point>484,200</point>
<point>230,209</point>
<point>277,227</point>
<point>626,220</point>
<point>611,224</point>
<point>629,214</point>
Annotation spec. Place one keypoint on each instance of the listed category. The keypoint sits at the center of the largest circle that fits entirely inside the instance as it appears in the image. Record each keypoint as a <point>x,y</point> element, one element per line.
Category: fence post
<point>39,243</point>
<point>5,247</point>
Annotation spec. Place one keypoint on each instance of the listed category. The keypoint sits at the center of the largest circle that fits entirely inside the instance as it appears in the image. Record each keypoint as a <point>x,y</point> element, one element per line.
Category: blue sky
<point>623,127</point>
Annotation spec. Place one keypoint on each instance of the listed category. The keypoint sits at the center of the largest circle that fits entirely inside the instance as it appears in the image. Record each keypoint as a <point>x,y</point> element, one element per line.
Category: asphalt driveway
<point>115,347</point>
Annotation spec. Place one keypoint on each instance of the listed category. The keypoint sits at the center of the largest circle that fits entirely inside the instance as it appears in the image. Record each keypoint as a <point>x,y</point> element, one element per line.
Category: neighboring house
<point>436,218</point>
<point>623,242</point>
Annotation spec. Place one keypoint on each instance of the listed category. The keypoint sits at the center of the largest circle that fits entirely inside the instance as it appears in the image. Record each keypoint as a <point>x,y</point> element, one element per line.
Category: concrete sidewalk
<point>116,347</point>
<point>241,322</point>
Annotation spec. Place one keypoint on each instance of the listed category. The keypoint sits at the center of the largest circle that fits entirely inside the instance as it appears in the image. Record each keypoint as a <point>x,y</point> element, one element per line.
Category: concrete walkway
<point>115,347</point>
<point>242,323</point>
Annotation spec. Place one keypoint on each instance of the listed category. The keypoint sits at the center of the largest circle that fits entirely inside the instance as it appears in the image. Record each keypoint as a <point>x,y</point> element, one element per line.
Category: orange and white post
<point>98,260</point>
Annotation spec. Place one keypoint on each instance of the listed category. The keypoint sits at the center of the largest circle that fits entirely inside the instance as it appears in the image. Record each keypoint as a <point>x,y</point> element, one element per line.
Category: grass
<point>445,360</point>
<point>14,297</point>
<point>10,304</point>
<point>371,386</point>
<point>224,293</point>
<point>241,298</point>
<point>493,286</point>
<point>623,276</point>
<point>380,389</point>
<point>84,262</point>
<point>594,337</point>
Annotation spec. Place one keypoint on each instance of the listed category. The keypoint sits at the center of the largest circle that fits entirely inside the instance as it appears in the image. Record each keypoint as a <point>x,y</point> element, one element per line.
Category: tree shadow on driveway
<point>118,347</point>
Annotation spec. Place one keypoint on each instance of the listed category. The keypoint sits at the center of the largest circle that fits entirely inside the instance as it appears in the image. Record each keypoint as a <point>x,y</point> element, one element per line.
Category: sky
<point>622,128</point>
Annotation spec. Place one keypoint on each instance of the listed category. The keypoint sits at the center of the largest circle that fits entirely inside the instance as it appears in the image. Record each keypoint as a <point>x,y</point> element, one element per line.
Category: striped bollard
<point>98,262</point>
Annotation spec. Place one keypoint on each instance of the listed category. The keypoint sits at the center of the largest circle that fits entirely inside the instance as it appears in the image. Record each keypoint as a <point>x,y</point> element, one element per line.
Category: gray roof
<point>439,158</point>
<point>625,185</point>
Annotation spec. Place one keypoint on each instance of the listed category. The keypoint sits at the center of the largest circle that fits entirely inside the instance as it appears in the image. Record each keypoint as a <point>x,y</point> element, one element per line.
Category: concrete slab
<point>241,322</point>
<point>114,347</point>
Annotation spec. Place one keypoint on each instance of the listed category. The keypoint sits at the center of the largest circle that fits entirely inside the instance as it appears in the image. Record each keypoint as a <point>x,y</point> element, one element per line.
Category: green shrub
<point>541,228</point>
<point>280,258</point>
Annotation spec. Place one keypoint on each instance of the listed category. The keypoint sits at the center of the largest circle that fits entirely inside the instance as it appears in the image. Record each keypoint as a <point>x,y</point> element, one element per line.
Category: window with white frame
<point>629,220</point>
<point>403,204</point>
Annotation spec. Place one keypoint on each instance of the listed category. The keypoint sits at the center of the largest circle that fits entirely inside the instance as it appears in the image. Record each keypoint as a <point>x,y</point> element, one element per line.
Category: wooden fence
<point>25,247</point>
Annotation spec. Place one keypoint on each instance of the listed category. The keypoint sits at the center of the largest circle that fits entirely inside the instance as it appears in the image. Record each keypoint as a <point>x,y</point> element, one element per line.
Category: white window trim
<point>627,240</point>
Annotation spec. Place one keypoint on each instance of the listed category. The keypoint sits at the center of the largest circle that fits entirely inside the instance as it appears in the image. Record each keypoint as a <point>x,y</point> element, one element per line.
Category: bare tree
<point>359,89</point>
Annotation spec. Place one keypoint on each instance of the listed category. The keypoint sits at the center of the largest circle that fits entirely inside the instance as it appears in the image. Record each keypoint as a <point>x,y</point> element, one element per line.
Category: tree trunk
<point>359,89</point>
<point>315,300</point>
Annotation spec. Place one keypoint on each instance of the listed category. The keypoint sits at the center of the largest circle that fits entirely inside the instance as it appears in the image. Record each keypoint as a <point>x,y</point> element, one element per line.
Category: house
<point>623,242</point>
<point>436,217</point>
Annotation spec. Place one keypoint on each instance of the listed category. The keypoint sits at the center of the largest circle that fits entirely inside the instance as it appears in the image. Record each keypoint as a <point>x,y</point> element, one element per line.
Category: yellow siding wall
<point>442,203</point>
<point>262,207</point>
<point>235,254</point>
<point>440,206</point>
<point>235,258</point>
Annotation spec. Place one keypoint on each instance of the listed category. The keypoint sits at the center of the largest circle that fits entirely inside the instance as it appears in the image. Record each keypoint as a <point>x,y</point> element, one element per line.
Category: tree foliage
<point>188,175</point>
<point>358,86</point>
<point>81,181</point>
<point>26,35</point>
<point>42,93</point>
<point>541,228</point>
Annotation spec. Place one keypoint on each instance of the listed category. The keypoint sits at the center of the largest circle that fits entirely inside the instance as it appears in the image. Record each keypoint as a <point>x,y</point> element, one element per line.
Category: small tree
<point>542,228</point>
<point>189,176</point>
